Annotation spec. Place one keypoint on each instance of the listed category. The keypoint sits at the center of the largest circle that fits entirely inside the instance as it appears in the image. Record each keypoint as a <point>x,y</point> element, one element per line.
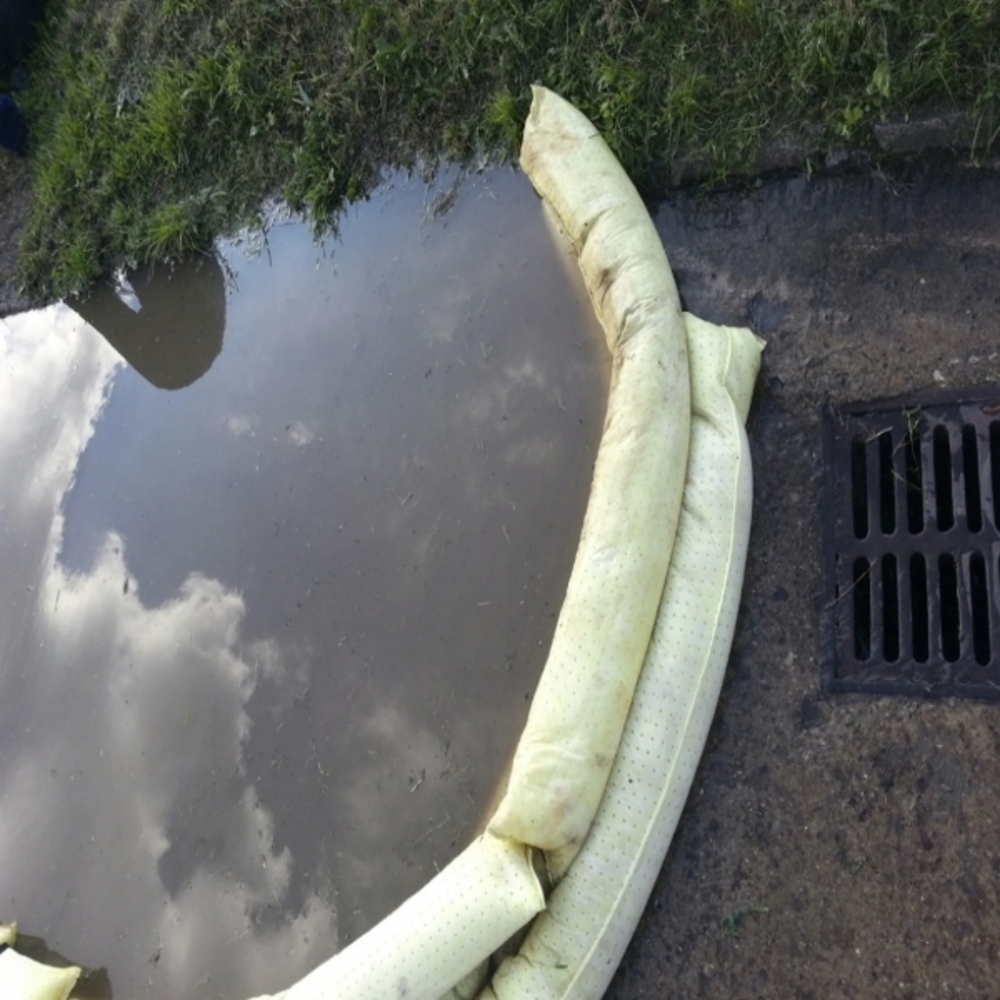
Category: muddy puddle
<point>276,590</point>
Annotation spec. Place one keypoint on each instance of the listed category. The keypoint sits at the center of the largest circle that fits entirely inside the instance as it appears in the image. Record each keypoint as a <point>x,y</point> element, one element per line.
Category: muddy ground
<point>843,845</point>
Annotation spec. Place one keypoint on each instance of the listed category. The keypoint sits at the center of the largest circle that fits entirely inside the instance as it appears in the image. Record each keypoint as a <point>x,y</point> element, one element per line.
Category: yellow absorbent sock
<point>620,716</point>
<point>564,756</point>
<point>574,947</point>
<point>439,935</point>
<point>23,978</point>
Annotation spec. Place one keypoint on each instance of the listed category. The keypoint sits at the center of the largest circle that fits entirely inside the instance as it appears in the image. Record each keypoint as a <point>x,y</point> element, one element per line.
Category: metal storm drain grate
<point>912,550</point>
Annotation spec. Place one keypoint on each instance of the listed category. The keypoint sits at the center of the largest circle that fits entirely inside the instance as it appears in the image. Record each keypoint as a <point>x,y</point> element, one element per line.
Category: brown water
<point>271,611</point>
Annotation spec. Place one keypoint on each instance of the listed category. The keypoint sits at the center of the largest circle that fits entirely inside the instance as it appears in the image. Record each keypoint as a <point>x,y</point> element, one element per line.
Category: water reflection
<point>176,332</point>
<point>268,643</point>
<point>117,718</point>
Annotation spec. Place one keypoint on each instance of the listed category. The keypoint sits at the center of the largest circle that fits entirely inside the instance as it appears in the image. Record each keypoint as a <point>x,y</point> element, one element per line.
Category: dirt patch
<point>833,846</point>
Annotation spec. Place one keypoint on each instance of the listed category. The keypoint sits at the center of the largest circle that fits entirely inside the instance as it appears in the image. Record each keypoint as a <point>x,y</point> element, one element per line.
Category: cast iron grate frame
<point>911,546</point>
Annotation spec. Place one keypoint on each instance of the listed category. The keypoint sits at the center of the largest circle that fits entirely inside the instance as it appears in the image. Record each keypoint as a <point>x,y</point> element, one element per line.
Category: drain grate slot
<point>912,547</point>
<point>951,645</point>
<point>970,470</point>
<point>942,479</point>
<point>979,589</point>
<point>920,620</point>
<point>914,477</point>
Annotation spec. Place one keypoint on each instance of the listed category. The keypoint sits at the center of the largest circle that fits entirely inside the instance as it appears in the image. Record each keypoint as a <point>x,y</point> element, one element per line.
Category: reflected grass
<point>158,125</point>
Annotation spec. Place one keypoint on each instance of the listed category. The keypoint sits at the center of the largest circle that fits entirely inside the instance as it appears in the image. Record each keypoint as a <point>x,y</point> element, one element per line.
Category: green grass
<point>160,124</point>
<point>732,923</point>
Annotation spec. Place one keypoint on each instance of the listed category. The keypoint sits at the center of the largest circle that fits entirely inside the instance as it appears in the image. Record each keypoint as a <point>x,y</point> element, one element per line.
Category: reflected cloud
<point>528,373</point>
<point>123,791</point>
<point>238,425</point>
<point>55,378</point>
<point>447,316</point>
<point>500,395</point>
<point>535,451</point>
<point>417,782</point>
<point>300,434</point>
<point>202,761</point>
<point>217,904</point>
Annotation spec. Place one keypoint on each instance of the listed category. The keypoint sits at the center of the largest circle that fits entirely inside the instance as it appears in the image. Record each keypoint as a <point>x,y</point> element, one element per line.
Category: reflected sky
<point>267,640</point>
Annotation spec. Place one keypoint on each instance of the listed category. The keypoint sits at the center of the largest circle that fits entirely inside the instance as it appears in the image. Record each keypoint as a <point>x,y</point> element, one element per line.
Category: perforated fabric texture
<point>23,978</point>
<point>464,914</point>
<point>565,754</point>
<point>586,731</point>
<point>574,947</point>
